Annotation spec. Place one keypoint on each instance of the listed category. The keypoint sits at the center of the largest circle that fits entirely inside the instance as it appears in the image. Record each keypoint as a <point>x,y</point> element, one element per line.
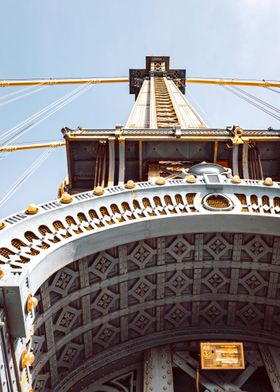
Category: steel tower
<point>165,235</point>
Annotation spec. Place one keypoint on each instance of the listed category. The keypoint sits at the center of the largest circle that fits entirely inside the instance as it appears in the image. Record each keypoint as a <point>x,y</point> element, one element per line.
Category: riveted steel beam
<point>158,376</point>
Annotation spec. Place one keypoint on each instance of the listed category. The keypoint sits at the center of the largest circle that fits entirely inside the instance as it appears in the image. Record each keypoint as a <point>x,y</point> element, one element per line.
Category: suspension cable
<point>42,115</point>
<point>261,101</point>
<point>26,121</point>
<point>19,91</point>
<point>19,95</point>
<point>43,118</point>
<point>198,104</point>
<point>38,114</point>
<point>273,89</point>
<point>24,177</point>
<point>252,102</point>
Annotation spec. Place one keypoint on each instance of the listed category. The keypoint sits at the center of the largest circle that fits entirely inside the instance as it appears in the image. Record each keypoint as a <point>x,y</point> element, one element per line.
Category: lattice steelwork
<point>160,103</point>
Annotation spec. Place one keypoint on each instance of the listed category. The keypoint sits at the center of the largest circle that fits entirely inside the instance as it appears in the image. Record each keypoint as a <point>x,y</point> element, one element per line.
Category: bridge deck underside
<point>108,308</point>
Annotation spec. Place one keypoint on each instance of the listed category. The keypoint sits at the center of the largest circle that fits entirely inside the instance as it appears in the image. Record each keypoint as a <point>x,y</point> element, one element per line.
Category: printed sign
<point>222,355</point>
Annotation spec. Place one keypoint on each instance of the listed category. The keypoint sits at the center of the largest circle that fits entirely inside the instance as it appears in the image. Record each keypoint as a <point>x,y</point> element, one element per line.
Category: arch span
<point>69,250</point>
<point>168,289</point>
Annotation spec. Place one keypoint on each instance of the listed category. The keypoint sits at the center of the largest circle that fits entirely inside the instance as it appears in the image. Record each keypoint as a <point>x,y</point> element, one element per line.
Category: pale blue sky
<point>67,38</point>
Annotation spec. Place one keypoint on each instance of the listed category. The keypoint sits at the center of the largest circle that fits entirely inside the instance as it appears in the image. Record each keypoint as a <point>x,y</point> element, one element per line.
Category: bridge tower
<point>165,236</point>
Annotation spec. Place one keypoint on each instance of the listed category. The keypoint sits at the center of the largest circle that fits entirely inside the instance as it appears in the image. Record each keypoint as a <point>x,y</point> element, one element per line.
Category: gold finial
<point>2,225</point>
<point>160,181</point>
<point>130,184</point>
<point>31,303</point>
<point>32,209</point>
<point>268,181</point>
<point>27,358</point>
<point>190,179</point>
<point>236,180</point>
<point>98,191</point>
<point>66,198</point>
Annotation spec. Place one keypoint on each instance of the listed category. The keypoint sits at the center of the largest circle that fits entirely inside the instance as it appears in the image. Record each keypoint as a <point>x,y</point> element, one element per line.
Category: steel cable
<point>251,102</point>
<point>273,89</point>
<point>38,114</point>
<point>17,92</point>
<point>261,101</point>
<point>43,118</point>
<point>16,98</point>
<point>29,123</point>
<point>34,116</point>
<point>24,177</point>
<point>198,104</point>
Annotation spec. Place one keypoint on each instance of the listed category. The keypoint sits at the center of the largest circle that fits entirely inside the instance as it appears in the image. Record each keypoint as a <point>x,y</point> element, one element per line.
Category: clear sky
<point>70,38</point>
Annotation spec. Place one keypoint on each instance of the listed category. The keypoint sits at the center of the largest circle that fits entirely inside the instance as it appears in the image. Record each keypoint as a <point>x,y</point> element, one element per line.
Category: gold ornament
<point>31,303</point>
<point>160,181</point>
<point>66,198</point>
<point>98,191</point>
<point>236,180</point>
<point>130,184</point>
<point>32,209</point>
<point>190,179</point>
<point>27,358</point>
<point>268,181</point>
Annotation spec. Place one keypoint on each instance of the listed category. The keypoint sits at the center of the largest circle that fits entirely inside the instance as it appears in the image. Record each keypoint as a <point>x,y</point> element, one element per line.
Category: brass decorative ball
<point>98,191</point>
<point>160,181</point>
<point>236,180</point>
<point>2,225</point>
<point>268,181</point>
<point>190,179</point>
<point>32,209</point>
<point>130,184</point>
<point>66,198</point>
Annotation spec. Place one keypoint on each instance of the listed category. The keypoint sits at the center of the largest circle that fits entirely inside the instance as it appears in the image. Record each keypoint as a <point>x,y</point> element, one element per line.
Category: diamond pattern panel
<point>103,265</point>
<point>211,280</point>
<point>142,254</point>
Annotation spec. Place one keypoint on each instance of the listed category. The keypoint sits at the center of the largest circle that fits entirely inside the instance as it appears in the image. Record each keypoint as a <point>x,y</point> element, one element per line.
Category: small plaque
<point>223,356</point>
